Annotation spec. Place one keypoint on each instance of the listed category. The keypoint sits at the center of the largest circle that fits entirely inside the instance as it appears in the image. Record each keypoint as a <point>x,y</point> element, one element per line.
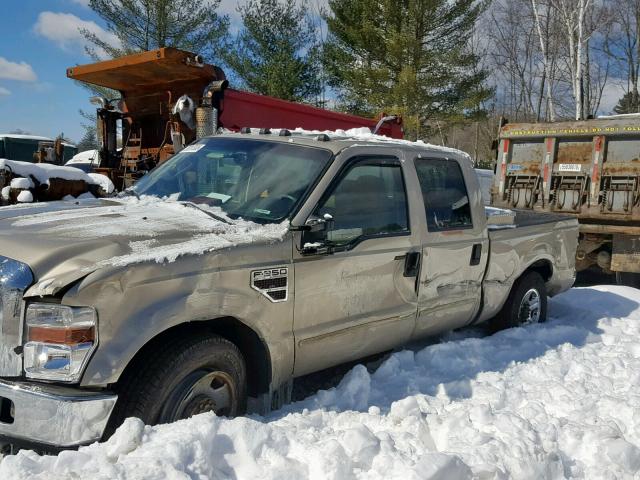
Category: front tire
<point>526,304</point>
<point>182,379</point>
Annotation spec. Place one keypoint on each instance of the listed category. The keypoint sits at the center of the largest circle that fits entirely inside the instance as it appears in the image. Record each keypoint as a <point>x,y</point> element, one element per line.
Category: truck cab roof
<point>338,140</point>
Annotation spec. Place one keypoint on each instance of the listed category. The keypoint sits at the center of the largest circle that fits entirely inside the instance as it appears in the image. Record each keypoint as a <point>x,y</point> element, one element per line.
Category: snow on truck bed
<point>558,400</point>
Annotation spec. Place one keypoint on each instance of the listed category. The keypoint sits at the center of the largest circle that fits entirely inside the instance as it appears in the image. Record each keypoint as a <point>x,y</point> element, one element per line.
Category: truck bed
<point>514,248</point>
<point>526,218</point>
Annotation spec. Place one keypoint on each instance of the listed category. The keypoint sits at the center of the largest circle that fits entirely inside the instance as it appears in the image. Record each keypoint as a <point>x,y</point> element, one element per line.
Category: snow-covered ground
<point>559,400</point>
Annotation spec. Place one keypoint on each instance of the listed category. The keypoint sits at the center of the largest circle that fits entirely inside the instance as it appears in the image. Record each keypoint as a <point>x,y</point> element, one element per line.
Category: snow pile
<point>25,196</point>
<point>163,230</point>
<point>42,172</point>
<point>21,183</point>
<point>552,401</point>
<point>105,182</point>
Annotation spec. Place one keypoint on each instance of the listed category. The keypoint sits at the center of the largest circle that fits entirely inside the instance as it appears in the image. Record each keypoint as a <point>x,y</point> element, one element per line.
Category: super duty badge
<point>273,283</point>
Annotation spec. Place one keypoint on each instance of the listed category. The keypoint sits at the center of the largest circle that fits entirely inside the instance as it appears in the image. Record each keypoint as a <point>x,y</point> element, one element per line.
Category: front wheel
<point>182,379</point>
<point>527,303</point>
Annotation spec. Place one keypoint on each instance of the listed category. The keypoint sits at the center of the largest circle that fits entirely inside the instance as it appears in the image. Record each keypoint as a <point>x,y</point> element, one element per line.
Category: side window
<point>368,200</point>
<point>445,194</point>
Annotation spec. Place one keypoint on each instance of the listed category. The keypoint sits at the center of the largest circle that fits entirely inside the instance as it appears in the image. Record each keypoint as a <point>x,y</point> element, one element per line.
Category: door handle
<point>411,264</point>
<point>476,254</point>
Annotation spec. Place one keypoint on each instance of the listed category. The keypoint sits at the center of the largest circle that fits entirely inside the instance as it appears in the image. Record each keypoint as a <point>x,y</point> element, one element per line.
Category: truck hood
<point>65,241</point>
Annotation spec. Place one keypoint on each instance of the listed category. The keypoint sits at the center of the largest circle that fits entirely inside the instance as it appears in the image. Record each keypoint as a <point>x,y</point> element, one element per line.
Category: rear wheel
<point>179,380</point>
<point>527,303</point>
<point>628,279</point>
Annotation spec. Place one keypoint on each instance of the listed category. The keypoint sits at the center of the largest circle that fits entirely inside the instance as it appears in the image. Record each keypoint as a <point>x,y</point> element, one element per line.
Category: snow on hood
<point>549,401</point>
<point>116,233</point>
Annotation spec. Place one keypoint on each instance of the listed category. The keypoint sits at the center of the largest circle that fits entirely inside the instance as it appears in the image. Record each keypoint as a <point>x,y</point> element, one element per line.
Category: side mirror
<point>319,224</point>
<point>314,237</point>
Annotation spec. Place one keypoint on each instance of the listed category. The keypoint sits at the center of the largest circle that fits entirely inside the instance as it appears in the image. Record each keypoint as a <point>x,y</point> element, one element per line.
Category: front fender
<point>138,303</point>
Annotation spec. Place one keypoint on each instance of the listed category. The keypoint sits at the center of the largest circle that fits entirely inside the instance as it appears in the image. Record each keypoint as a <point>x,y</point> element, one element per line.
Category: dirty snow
<point>42,172</point>
<point>552,401</point>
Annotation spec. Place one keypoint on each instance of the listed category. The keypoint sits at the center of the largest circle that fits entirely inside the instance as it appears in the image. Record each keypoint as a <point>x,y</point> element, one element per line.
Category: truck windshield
<point>257,180</point>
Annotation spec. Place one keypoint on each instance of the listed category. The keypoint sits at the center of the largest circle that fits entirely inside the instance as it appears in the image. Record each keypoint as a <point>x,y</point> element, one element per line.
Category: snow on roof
<point>25,137</point>
<point>553,400</point>
<point>88,156</point>
<point>619,115</point>
<point>364,134</point>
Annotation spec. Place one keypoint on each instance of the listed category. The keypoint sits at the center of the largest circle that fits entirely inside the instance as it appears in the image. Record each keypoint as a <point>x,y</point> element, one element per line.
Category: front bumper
<point>52,416</point>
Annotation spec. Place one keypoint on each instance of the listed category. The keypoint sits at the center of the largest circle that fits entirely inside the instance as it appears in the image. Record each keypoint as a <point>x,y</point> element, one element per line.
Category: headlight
<point>59,341</point>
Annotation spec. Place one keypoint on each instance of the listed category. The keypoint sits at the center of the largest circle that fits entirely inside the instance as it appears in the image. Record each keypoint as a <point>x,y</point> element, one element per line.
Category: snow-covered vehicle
<point>247,260</point>
<point>86,161</point>
<point>33,148</point>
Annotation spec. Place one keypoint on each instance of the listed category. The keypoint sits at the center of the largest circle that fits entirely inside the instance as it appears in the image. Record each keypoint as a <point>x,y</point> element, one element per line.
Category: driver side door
<point>357,298</point>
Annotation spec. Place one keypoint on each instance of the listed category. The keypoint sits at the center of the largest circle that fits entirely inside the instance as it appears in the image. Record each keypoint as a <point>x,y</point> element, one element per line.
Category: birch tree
<point>572,14</point>
<point>623,48</point>
<point>546,72</point>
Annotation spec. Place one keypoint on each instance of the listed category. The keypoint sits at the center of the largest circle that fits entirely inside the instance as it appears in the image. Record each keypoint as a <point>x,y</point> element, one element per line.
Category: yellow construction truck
<point>590,169</point>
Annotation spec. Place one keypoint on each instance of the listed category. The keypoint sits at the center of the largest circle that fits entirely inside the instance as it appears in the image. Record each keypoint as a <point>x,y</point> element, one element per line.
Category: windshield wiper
<point>205,211</point>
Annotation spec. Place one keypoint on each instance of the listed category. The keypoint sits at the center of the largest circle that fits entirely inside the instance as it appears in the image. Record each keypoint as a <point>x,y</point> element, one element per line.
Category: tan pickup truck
<point>243,262</point>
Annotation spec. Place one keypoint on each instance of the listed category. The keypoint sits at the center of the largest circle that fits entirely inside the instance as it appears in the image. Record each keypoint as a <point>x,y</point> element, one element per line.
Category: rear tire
<point>182,379</point>
<point>526,304</point>
<point>628,279</point>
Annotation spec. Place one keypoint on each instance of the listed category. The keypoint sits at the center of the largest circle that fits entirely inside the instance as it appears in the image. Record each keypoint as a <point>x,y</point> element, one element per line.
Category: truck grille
<point>15,278</point>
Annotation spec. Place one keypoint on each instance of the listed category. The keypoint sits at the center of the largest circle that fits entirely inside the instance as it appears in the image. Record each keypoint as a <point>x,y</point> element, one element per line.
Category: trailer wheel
<point>194,375</point>
<point>527,303</point>
<point>628,279</point>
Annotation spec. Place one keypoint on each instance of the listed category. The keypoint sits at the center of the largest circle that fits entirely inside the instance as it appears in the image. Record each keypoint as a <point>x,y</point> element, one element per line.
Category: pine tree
<point>276,52</point>
<point>89,140</point>
<point>627,104</point>
<point>405,56</point>
<point>141,25</point>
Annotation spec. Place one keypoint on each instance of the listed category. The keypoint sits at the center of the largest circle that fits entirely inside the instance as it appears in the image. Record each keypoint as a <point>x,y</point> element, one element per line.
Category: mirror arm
<point>299,228</point>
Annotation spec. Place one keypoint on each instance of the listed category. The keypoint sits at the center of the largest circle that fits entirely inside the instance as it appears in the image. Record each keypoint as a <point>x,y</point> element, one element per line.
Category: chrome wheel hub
<point>530,308</point>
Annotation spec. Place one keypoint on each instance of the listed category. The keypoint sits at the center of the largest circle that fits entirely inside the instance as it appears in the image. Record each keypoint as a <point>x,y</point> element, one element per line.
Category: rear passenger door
<point>455,246</point>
